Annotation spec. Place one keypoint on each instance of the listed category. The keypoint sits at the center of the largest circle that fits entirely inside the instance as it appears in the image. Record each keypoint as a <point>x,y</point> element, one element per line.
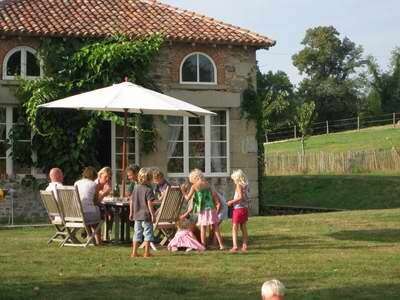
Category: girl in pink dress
<point>184,238</point>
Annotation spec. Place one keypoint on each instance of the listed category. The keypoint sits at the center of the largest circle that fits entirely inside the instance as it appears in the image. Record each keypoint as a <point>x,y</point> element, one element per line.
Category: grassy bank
<point>342,192</point>
<point>374,138</point>
<point>350,255</point>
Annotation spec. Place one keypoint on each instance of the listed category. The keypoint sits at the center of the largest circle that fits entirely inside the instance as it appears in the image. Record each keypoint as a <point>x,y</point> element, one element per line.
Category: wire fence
<point>349,162</point>
<point>318,128</point>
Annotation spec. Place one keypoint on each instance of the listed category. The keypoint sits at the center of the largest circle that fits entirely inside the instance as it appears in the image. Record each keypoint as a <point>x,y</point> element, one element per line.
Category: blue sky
<point>373,24</point>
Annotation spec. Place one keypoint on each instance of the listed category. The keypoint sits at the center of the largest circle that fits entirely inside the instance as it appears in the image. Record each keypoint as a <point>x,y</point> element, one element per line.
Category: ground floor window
<point>9,163</point>
<point>201,143</point>
<point>132,150</point>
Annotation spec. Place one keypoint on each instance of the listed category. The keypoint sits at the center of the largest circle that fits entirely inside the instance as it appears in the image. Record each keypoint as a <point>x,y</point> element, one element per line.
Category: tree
<point>385,86</point>
<point>305,116</point>
<point>277,99</point>
<point>330,65</point>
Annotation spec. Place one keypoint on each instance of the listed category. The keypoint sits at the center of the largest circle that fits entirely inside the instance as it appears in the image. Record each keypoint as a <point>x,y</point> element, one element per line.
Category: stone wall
<point>26,203</point>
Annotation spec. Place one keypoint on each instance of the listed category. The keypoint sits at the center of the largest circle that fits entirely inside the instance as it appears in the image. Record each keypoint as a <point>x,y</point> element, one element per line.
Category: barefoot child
<point>184,238</point>
<point>240,209</point>
<point>141,211</point>
<point>204,204</point>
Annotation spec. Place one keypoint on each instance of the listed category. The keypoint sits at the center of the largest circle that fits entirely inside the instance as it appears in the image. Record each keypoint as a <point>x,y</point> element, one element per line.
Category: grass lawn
<point>382,137</point>
<point>349,255</point>
<point>328,191</point>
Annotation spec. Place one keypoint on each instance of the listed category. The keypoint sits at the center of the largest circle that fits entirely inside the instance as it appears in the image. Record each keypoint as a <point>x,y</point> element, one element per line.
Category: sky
<point>369,23</point>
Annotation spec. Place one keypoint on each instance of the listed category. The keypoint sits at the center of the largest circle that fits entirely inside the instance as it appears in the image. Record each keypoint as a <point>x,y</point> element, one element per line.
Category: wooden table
<point>119,208</point>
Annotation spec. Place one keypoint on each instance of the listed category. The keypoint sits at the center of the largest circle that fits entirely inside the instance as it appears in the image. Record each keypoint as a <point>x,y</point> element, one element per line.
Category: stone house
<point>203,61</point>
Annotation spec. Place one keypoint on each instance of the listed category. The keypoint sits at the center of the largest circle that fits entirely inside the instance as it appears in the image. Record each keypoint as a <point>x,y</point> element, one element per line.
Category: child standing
<point>131,174</point>
<point>240,203</point>
<point>142,212</point>
<point>204,204</point>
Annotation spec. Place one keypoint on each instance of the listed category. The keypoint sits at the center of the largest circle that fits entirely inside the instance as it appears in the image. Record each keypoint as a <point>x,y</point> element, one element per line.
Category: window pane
<point>197,163</point>
<point>175,165</point>
<point>2,114</point>
<point>175,133</point>
<point>218,165</point>
<point>32,65</point>
<point>130,145</point>
<point>174,120</point>
<point>206,69</point>
<point>175,149</point>
<point>3,149</point>
<point>23,132</point>
<point>218,133</point>
<point>197,149</point>
<point>218,149</point>
<point>196,121</point>
<point>14,64</point>
<point>2,168</point>
<point>2,132</point>
<point>119,131</point>
<point>21,169</point>
<point>189,69</point>
<point>118,160</point>
<point>196,133</point>
<point>219,119</point>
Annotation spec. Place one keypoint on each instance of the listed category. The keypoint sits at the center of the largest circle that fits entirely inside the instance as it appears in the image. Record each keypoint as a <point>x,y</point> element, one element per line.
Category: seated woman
<point>103,181</point>
<point>87,189</point>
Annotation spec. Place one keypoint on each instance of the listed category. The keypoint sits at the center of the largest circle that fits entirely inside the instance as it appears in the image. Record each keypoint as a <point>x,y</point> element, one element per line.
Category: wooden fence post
<point>394,120</point>
<point>327,127</point>
<point>358,123</point>
<point>295,131</point>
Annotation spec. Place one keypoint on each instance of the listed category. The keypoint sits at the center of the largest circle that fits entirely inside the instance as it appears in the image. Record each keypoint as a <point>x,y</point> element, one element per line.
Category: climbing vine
<point>66,138</point>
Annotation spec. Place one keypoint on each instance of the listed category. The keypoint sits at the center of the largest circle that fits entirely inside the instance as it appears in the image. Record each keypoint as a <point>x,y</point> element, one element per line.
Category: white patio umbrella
<point>127,97</point>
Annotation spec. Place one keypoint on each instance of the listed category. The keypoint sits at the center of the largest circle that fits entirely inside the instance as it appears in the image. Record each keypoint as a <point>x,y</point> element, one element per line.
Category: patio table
<point>119,208</point>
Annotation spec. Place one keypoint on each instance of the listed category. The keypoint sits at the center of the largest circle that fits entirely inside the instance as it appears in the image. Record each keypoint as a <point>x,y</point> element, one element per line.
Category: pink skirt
<point>184,238</point>
<point>207,217</point>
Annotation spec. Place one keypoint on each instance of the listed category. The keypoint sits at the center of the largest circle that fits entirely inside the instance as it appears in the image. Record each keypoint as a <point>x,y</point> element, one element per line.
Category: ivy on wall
<point>67,138</point>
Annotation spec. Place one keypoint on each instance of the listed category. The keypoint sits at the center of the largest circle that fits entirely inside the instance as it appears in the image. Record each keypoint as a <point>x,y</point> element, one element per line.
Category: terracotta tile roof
<point>136,18</point>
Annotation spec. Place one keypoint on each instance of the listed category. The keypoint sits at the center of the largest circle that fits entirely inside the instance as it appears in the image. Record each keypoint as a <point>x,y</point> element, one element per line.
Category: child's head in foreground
<point>239,177</point>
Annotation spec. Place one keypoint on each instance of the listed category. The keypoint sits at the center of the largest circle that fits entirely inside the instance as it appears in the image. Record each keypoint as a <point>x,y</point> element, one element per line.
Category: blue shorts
<point>143,228</point>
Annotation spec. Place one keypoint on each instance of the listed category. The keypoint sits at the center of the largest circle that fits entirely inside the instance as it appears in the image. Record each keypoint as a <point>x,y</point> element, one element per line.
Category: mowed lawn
<point>347,255</point>
<point>374,138</point>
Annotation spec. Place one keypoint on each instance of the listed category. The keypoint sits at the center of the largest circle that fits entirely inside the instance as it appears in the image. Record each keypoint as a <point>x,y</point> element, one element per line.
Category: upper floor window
<point>198,68</point>
<point>23,62</point>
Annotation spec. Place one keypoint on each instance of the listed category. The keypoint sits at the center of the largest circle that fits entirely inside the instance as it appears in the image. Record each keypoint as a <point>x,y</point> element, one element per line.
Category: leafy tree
<point>277,100</point>
<point>305,116</point>
<point>330,65</point>
<point>67,138</point>
<point>386,85</point>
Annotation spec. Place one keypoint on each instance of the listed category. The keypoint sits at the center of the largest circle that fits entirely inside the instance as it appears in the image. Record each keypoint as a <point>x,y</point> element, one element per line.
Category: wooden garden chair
<point>68,197</point>
<point>168,213</point>
<point>55,217</point>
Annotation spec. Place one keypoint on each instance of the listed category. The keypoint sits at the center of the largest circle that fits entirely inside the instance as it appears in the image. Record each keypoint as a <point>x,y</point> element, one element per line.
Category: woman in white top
<point>87,189</point>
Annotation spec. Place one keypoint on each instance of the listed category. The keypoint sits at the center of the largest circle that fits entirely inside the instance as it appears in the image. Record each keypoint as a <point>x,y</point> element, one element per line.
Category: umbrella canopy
<point>131,98</point>
<point>127,97</point>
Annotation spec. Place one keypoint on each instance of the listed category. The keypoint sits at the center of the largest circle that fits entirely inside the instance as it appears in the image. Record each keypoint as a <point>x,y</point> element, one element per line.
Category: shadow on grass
<point>377,235</point>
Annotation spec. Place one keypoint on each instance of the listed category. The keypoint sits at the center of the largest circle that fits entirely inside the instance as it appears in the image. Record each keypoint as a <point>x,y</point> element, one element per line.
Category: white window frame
<point>198,70</point>
<point>207,141</point>
<point>114,166</point>
<point>24,50</point>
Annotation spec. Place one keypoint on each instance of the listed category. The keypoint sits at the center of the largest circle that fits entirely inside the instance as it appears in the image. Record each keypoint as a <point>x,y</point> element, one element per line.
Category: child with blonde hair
<point>142,212</point>
<point>184,238</point>
<point>240,203</point>
<point>205,204</point>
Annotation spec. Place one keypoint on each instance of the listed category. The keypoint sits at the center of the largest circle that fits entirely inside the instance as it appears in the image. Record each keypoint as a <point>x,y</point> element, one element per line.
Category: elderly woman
<point>273,290</point>
<point>87,189</point>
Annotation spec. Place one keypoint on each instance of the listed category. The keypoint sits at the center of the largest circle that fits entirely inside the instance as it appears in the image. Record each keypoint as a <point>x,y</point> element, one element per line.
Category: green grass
<point>352,255</point>
<point>383,137</point>
<point>326,191</point>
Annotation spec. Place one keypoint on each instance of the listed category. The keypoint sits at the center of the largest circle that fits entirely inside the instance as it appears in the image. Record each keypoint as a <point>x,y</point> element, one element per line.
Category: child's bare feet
<point>134,255</point>
<point>244,247</point>
<point>233,250</point>
<point>147,255</point>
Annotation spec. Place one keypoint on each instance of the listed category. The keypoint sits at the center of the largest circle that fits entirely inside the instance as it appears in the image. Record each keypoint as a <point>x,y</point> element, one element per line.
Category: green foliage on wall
<point>67,138</point>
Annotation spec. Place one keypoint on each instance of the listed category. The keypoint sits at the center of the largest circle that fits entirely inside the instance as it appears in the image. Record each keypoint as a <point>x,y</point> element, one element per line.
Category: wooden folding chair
<point>55,217</point>
<point>68,197</point>
<point>168,213</point>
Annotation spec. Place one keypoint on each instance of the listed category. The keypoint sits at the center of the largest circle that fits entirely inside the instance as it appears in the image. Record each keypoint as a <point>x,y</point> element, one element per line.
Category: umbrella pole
<point>123,175</point>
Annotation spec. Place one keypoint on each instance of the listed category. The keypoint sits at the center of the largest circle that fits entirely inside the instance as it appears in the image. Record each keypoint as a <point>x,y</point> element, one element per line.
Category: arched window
<point>198,68</point>
<point>21,61</point>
